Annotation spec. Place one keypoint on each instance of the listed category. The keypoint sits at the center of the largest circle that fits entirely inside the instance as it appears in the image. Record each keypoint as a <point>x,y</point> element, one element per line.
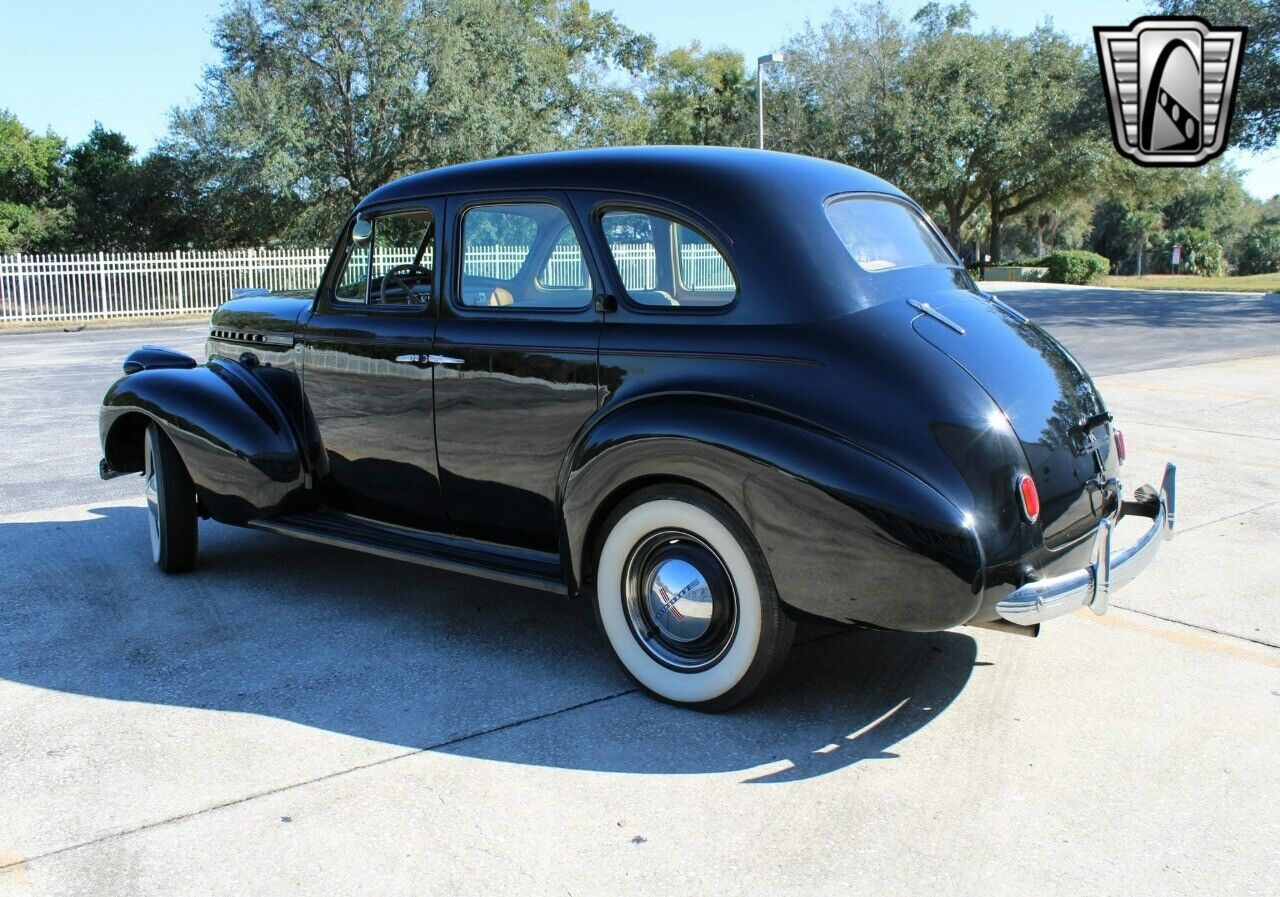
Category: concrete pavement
<point>292,718</point>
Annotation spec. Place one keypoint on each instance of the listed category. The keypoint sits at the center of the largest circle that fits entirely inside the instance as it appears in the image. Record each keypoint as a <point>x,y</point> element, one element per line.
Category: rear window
<point>882,234</point>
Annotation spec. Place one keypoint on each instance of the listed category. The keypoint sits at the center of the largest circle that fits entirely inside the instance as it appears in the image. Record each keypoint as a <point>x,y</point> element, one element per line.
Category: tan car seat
<point>499,296</point>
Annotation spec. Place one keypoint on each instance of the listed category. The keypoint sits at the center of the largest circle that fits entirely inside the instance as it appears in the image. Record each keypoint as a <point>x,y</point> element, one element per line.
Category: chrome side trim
<point>1000,303</point>
<point>251,337</point>
<point>936,315</point>
<point>1091,587</point>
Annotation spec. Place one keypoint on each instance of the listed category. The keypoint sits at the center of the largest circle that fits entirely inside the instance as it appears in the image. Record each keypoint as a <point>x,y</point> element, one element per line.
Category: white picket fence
<point>83,287</point>
<point>145,284</point>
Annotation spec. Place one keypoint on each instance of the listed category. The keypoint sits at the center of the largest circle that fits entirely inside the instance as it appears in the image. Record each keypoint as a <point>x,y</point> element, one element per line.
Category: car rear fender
<point>242,450</point>
<point>848,535</point>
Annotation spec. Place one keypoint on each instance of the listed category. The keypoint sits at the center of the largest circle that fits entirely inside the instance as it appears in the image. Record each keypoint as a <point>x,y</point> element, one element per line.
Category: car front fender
<point>240,448</point>
<point>849,536</point>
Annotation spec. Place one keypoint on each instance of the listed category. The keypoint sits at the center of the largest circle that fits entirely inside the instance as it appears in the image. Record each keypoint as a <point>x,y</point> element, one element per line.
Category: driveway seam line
<point>1202,628</point>
<point>111,836</point>
<point>1152,423</point>
<point>1261,507</point>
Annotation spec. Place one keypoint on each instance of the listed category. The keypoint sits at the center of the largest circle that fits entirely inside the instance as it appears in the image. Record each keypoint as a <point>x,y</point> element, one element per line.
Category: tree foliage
<point>1257,116</point>
<point>324,100</point>
<point>700,96</point>
<point>31,216</point>
<point>837,96</point>
<point>1260,249</point>
<point>963,121</point>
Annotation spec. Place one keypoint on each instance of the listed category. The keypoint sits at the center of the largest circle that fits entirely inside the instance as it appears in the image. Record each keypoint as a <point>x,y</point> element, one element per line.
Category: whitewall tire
<point>685,599</point>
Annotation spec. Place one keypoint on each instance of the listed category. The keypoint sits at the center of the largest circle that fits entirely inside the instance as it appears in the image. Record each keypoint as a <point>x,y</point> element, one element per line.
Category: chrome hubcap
<point>680,601</point>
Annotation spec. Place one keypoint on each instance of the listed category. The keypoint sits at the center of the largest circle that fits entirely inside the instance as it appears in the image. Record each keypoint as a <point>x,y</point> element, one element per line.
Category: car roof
<point>687,174</point>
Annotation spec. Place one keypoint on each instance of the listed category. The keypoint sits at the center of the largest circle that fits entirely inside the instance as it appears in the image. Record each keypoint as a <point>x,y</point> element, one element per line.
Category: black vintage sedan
<point>708,390</point>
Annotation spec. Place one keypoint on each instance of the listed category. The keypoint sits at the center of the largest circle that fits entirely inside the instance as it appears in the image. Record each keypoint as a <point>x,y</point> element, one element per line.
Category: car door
<point>519,332</point>
<point>367,370</point>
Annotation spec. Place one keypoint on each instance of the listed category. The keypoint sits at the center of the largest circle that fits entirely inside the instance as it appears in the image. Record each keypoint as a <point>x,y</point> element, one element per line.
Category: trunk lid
<point>1050,401</point>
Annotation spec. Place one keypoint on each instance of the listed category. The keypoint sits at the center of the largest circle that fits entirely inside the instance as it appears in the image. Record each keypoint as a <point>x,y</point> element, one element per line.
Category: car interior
<point>663,262</point>
<point>522,255</point>
<point>389,260</point>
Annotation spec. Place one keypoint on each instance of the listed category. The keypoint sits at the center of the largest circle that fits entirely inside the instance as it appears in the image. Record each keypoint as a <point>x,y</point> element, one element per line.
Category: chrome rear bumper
<point>1091,586</point>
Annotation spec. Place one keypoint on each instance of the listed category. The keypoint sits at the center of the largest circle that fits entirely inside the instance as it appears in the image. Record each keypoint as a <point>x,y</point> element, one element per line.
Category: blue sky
<point>66,63</point>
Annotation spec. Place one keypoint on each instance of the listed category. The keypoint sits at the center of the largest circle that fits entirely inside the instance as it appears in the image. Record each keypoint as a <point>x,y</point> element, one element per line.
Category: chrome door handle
<point>413,359</point>
<point>444,359</point>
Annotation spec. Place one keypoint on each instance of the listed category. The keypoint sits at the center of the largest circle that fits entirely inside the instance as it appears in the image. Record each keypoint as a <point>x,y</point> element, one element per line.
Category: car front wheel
<point>685,599</point>
<point>171,504</point>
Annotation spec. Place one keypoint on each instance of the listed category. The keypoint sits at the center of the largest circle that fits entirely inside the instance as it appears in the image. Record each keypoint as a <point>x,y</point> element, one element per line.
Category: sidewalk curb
<point>16,329</point>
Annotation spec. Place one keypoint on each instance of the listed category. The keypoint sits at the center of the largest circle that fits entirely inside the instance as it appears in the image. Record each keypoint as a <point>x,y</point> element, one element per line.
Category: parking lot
<point>292,718</point>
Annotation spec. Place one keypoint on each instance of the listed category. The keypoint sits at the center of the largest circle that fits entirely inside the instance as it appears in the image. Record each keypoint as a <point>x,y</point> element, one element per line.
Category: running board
<point>518,566</point>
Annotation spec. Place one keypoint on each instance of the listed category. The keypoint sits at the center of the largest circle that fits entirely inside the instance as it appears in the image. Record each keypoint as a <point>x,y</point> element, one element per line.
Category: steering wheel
<point>398,274</point>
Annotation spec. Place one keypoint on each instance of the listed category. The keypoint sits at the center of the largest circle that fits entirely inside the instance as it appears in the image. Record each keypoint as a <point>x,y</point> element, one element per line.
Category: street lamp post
<point>760,64</point>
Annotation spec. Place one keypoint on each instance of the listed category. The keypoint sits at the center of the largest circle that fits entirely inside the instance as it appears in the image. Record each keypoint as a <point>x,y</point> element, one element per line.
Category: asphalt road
<point>1113,331</point>
<point>292,718</point>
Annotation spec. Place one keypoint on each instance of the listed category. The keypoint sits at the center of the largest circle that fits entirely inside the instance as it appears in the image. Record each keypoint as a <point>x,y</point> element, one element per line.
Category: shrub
<point>1201,253</point>
<point>1076,266</point>
<point>1260,250</point>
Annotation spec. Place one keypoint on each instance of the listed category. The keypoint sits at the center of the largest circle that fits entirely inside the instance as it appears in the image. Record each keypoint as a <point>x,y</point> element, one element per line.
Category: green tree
<point>700,96</point>
<point>1257,115</point>
<point>1260,250</point>
<point>121,203</point>
<point>1138,224</point>
<point>1050,226</point>
<point>1133,211</point>
<point>1201,252</point>
<point>1050,137</point>
<point>1211,198</point>
<point>323,100</point>
<point>953,85</point>
<point>32,215</point>
<point>1206,205</point>
<point>101,186</point>
<point>836,95</point>
<point>962,121</point>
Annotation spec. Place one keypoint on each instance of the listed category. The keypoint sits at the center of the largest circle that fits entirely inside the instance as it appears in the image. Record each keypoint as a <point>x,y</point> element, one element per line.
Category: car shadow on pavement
<point>405,655</point>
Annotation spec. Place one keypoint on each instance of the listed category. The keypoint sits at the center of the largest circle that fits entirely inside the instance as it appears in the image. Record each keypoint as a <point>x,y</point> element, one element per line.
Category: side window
<point>665,263</point>
<point>522,255</point>
<point>389,261</point>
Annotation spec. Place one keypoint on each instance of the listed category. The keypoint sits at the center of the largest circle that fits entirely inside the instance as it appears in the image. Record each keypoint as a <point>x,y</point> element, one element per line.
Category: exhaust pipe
<point>1012,628</point>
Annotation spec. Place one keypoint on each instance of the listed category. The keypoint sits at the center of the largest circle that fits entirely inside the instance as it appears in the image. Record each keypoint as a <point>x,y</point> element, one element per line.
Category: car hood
<point>261,312</point>
<point>1049,400</point>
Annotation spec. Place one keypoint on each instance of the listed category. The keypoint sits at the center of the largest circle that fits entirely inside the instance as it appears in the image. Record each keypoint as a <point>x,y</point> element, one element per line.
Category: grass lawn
<point>1252,283</point>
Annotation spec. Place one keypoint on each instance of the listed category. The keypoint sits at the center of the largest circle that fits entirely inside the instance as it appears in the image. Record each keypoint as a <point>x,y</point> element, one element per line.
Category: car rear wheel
<point>685,599</point>
<point>171,504</point>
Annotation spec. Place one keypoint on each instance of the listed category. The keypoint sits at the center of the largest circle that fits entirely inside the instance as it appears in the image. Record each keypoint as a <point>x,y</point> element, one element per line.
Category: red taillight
<point>1030,498</point>
<point>1120,452</point>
